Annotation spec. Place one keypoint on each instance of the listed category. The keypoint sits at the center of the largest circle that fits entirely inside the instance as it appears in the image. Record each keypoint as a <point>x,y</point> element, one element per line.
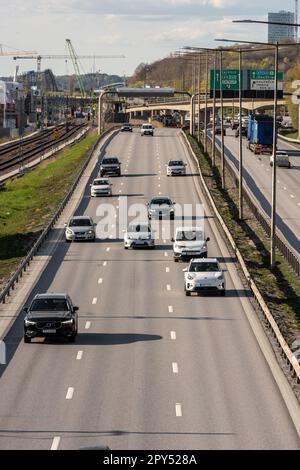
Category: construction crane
<point>39,57</point>
<point>74,59</point>
<point>13,51</point>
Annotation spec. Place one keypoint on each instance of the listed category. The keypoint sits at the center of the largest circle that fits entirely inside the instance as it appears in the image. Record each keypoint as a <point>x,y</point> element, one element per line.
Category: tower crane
<point>12,51</point>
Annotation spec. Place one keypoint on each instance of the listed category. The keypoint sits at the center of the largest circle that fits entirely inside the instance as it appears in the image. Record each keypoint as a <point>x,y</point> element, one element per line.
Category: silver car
<point>204,275</point>
<point>80,228</point>
<point>101,187</point>
<point>139,235</point>
<point>161,207</point>
<point>176,167</point>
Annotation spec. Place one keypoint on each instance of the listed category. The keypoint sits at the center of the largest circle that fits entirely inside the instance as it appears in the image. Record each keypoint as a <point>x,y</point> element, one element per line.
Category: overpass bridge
<point>185,105</point>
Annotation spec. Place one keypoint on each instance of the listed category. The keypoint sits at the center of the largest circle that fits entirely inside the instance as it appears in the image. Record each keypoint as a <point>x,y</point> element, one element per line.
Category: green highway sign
<point>265,75</point>
<point>230,79</point>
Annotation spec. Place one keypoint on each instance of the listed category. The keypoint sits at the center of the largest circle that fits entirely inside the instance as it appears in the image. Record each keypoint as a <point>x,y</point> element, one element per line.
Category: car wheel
<point>27,339</point>
<point>125,247</point>
<point>187,293</point>
<point>68,241</point>
<point>223,293</point>
<point>172,216</point>
<point>176,260</point>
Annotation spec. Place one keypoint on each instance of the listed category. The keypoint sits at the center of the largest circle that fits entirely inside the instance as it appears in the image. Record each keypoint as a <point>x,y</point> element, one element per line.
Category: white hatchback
<point>189,242</point>
<point>139,235</point>
<point>204,275</point>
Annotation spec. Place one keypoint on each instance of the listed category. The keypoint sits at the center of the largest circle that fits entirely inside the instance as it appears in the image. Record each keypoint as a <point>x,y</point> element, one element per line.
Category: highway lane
<point>151,368</point>
<point>258,178</point>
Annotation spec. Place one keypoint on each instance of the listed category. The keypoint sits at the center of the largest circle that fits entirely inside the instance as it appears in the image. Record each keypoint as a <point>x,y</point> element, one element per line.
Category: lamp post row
<point>240,52</point>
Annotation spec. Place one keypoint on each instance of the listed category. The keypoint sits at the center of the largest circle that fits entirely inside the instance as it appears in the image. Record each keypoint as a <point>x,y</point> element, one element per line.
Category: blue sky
<point>142,30</point>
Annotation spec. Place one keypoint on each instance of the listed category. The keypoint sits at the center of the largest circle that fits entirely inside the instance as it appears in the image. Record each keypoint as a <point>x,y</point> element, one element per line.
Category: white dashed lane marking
<point>79,355</point>
<point>170,308</point>
<point>105,263</point>
<point>175,367</point>
<point>173,335</point>
<point>168,287</point>
<point>100,280</point>
<point>55,443</point>
<point>88,325</point>
<point>70,393</point>
<point>178,410</point>
<point>94,301</point>
<point>167,270</point>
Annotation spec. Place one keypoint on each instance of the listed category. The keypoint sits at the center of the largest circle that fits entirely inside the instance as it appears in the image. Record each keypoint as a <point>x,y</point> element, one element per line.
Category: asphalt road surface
<point>151,368</point>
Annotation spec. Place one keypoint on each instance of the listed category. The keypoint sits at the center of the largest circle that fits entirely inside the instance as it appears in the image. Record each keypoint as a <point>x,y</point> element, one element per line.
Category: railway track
<point>19,153</point>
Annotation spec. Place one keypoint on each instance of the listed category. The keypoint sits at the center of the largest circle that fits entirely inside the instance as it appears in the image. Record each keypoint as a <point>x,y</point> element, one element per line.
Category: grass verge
<point>28,203</point>
<point>279,287</point>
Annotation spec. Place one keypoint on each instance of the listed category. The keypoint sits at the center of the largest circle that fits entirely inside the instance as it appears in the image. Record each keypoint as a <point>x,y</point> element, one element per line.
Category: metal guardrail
<point>280,243</point>
<point>286,353</point>
<point>21,269</point>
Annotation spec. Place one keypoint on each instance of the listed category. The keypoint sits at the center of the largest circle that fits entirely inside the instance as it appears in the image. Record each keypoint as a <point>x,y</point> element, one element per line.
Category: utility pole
<point>222,121</point>
<point>240,138</point>
<point>274,168</point>
<point>214,113</point>
<point>206,93</point>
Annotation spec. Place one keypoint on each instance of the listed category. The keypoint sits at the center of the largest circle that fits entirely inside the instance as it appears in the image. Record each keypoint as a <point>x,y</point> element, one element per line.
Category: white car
<point>204,275</point>
<point>189,242</point>
<point>101,187</point>
<point>161,207</point>
<point>176,167</point>
<point>139,235</point>
<point>80,227</point>
<point>282,159</point>
<point>147,129</point>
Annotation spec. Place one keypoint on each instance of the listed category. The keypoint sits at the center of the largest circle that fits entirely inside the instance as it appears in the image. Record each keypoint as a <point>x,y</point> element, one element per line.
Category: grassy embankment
<point>280,287</point>
<point>27,204</point>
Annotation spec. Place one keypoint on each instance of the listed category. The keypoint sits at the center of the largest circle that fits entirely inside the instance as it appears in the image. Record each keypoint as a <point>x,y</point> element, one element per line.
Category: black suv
<point>110,166</point>
<point>51,315</point>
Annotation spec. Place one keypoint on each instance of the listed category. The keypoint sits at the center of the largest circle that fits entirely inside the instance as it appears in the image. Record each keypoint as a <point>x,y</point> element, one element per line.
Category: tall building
<point>277,32</point>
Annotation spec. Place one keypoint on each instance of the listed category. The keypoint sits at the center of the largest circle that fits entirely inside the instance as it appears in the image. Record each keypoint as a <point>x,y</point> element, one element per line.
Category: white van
<point>147,129</point>
<point>282,159</point>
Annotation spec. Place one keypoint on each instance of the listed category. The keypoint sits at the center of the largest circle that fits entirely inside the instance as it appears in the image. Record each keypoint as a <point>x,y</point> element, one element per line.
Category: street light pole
<point>205,113</point>
<point>199,91</point>
<point>240,138</point>
<point>222,121</point>
<point>214,113</point>
<point>273,215</point>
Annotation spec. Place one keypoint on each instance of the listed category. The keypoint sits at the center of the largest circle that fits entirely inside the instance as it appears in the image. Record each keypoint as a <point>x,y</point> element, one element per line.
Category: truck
<point>260,134</point>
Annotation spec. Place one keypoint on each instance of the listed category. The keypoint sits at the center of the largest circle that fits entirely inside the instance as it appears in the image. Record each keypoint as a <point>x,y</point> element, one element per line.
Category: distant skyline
<point>142,30</point>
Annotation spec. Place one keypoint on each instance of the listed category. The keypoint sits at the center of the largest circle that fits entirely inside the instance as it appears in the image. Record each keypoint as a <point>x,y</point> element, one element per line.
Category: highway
<point>258,178</point>
<point>151,368</point>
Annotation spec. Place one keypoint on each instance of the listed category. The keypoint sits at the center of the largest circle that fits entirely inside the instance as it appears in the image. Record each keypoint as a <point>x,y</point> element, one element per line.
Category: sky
<point>142,30</point>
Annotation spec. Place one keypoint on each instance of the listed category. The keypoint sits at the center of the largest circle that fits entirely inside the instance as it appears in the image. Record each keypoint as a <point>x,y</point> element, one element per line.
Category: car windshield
<point>80,223</point>
<point>189,235</point>
<point>160,202</point>
<point>46,305</point>
<point>209,267</point>
<point>109,161</point>
<point>100,182</point>
<point>139,228</point>
<point>147,126</point>
<point>176,163</point>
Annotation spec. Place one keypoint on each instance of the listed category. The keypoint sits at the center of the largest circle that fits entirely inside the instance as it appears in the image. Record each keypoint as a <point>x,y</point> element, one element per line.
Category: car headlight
<point>68,322</point>
<point>190,277</point>
<point>220,277</point>
<point>28,322</point>
<point>171,210</point>
<point>90,232</point>
<point>69,231</point>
